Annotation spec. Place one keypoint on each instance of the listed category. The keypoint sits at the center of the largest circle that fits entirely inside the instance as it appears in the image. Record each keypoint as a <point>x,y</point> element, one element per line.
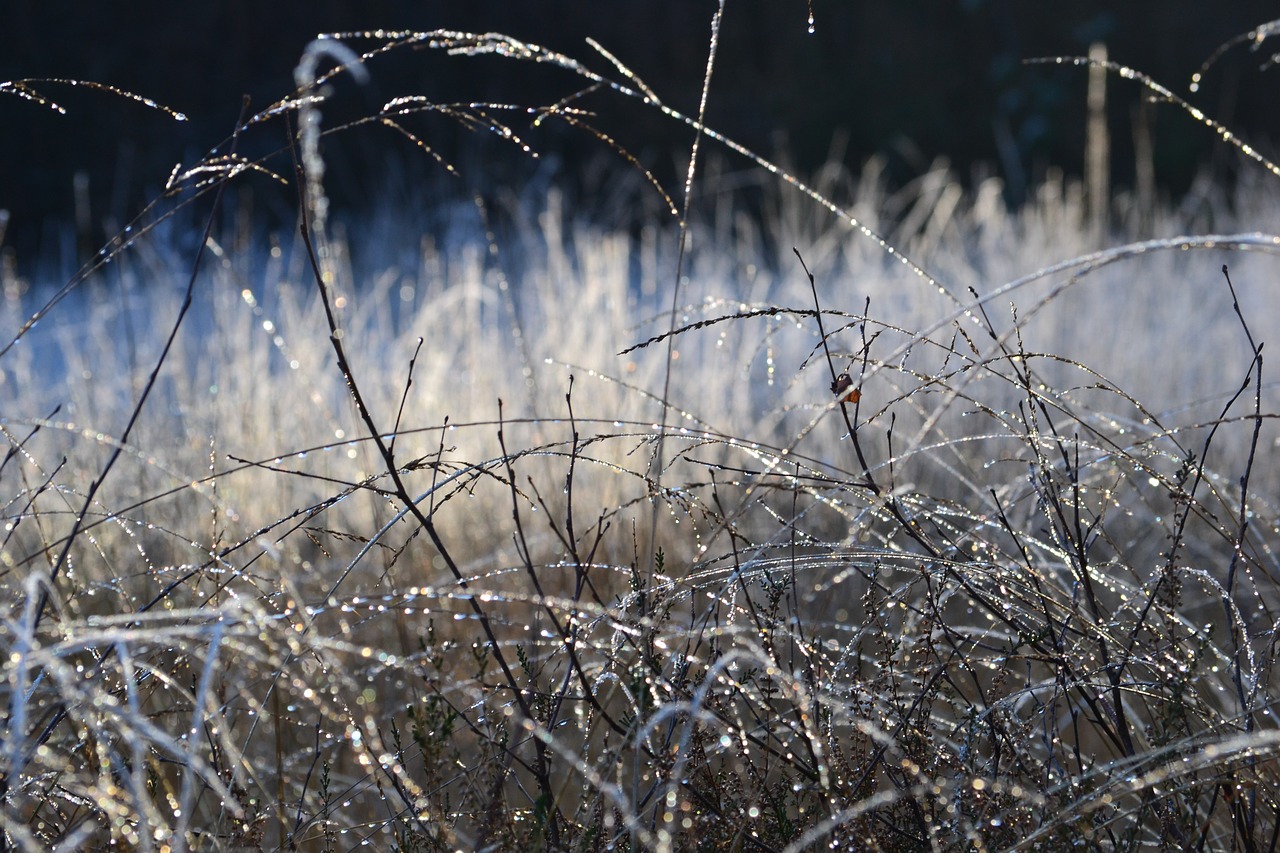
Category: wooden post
<point>1097,152</point>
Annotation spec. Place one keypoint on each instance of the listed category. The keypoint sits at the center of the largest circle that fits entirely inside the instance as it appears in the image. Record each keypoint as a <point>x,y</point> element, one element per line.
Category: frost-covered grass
<point>545,586</point>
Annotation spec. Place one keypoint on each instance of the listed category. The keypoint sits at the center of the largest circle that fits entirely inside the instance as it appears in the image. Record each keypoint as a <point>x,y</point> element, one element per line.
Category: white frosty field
<point>584,553</point>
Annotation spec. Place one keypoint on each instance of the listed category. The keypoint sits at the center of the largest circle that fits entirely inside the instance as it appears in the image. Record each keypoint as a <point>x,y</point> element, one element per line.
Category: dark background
<point>912,80</point>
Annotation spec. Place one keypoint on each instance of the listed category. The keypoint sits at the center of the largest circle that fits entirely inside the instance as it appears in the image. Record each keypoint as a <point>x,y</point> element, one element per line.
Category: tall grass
<point>431,542</point>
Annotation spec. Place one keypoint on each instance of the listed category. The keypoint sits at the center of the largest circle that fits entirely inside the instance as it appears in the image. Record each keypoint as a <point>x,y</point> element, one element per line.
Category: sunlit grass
<point>636,581</point>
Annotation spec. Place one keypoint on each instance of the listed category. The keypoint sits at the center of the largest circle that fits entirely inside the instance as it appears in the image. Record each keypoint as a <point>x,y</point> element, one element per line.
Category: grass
<point>540,535</point>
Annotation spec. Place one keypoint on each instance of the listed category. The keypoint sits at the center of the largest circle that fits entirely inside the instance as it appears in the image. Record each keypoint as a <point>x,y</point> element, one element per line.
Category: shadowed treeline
<point>917,82</point>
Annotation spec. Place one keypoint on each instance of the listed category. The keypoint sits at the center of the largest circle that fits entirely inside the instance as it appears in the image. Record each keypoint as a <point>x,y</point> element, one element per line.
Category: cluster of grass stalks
<point>563,541</point>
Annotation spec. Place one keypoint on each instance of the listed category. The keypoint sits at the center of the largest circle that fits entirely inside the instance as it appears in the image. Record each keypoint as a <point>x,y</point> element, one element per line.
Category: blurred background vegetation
<point>912,81</point>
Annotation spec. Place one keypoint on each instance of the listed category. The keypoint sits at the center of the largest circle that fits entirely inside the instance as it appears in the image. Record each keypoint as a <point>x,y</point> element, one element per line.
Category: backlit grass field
<point>532,533</point>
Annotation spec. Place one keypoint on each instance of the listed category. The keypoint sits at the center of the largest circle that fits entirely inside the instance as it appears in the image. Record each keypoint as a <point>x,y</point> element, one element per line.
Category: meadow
<point>530,532</point>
